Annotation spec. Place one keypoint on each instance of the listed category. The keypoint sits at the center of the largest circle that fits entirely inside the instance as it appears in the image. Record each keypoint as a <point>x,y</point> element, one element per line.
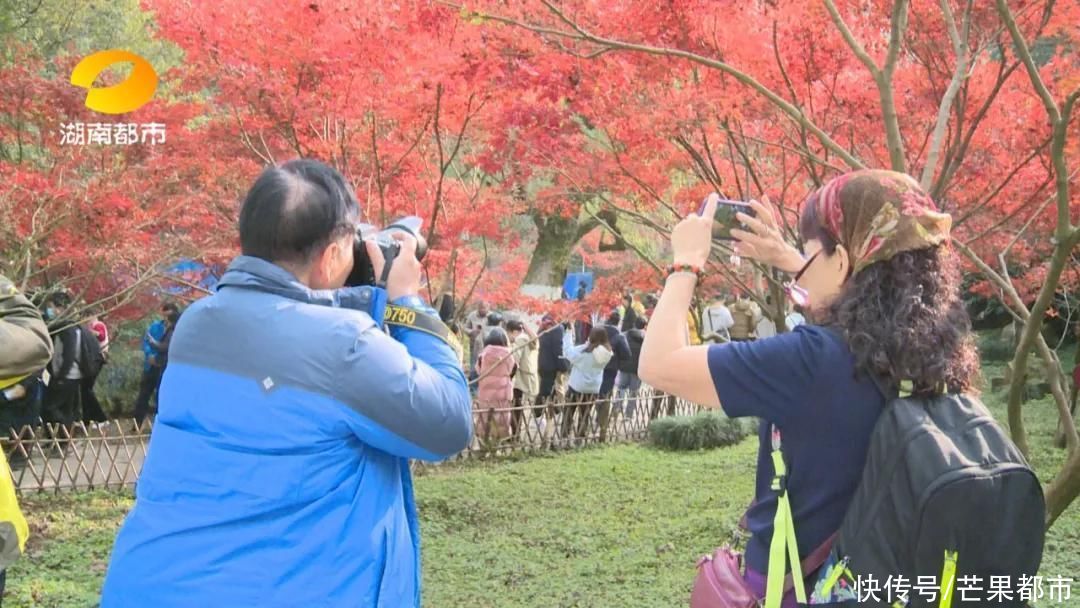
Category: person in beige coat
<point>525,347</point>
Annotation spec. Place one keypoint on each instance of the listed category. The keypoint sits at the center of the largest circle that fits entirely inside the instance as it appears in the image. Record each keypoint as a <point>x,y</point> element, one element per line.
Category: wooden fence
<point>55,458</point>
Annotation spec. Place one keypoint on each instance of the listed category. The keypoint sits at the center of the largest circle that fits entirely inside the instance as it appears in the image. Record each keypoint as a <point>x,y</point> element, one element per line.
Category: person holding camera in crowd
<point>25,348</point>
<point>278,470</point>
<point>881,286</point>
<point>475,322</point>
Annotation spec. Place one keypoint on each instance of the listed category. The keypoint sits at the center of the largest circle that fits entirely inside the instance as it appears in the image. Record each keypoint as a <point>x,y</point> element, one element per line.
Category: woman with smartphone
<point>880,286</point>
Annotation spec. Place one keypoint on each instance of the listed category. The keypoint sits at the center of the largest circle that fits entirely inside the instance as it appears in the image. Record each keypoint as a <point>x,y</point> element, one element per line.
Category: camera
<point>363,271</point>
<point>724,219</point>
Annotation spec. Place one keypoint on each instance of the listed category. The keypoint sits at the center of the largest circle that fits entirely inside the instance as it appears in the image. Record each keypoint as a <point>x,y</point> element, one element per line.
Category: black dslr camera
<point>363,272</point>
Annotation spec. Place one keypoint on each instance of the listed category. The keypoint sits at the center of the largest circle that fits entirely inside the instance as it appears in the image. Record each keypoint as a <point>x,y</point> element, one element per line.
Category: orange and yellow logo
<point>129,95</point>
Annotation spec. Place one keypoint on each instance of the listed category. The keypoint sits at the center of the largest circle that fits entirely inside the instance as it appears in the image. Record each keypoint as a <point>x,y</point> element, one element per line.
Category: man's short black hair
<point>294,210</point>
<point>170,307</point>
<point>60,298</point>
<point>639,323</point>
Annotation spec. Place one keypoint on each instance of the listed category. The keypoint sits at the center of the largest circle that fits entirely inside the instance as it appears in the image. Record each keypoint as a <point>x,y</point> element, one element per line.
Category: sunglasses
<point>799,295</point>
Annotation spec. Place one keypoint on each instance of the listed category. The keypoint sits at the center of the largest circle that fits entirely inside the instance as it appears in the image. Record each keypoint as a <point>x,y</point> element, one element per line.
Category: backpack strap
<point>784,546</point>
<point>948,579</point>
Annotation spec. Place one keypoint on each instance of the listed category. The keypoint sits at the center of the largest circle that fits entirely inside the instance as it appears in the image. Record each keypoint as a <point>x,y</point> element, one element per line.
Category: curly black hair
<point>903,319</point>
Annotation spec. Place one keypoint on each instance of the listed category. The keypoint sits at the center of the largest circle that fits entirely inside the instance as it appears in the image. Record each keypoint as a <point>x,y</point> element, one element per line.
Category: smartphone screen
<point>724,219</point>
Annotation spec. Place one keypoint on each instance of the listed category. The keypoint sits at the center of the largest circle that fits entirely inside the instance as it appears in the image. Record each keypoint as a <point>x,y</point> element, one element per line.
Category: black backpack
<point>91,359</point>
<point>942,476</point>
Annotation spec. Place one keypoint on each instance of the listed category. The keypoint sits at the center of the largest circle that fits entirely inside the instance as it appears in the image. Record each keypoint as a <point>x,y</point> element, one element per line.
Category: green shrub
<point>993,347</point>
<point>704,430</point>
<point>118,384</point>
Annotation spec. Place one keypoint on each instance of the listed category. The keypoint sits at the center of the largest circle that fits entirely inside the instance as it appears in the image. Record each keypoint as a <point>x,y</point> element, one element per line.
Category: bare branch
<point>882,76</point>
<point>644,257</point>
<point>898,24</point>
<point>1024,52</point>
<point>849,38</point>
<point>1001,185</point>
<point>960,47</point>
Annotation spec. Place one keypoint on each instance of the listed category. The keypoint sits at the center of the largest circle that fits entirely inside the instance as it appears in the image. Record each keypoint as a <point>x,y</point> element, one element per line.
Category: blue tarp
<point>573,280</point>
<point>193,272</point>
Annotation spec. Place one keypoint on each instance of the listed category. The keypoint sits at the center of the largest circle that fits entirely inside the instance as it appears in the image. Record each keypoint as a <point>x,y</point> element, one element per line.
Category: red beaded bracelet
<point>673,268</point>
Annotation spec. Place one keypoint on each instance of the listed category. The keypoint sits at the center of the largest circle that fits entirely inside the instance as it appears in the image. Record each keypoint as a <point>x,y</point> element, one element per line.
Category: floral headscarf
<point>876,214</point>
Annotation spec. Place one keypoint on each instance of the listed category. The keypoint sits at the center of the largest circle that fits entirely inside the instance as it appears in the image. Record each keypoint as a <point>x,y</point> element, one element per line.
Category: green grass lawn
<point>615,526</point>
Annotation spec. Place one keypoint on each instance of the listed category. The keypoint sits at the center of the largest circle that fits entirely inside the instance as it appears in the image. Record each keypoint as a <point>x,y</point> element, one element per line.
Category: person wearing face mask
<point>63,393</point>
<point>877,266</point>
<point>278,469</point>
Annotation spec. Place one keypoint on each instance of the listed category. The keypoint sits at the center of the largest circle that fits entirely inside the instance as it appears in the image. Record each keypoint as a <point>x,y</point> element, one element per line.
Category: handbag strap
<point>813,561</point>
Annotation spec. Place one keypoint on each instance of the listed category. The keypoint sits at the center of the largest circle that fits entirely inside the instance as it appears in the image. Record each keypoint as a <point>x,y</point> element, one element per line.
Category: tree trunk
<point>556,237</point>
<point>1027,341</point>
<point>1064,488</point>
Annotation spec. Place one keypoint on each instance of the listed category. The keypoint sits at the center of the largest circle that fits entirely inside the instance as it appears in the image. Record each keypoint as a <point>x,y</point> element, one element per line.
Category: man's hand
<point>404,278</point>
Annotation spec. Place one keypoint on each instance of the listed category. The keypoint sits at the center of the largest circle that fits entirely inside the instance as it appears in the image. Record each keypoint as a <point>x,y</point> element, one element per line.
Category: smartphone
<point>724,219</point>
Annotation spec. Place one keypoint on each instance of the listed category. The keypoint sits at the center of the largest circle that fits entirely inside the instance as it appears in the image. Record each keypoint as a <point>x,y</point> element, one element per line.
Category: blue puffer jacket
<point>277,474</point>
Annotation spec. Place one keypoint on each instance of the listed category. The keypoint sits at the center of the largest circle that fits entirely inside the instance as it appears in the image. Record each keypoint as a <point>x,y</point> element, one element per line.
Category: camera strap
<point>389,254</point>
<point>410,318</point>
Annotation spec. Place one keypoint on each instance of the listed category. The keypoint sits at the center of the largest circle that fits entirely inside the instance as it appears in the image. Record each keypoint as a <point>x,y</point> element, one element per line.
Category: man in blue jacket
<point>155,346</point>
<point>278,471</point>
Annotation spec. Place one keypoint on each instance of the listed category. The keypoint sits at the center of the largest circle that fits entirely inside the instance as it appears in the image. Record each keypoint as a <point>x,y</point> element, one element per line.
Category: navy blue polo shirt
<point>805,383</point>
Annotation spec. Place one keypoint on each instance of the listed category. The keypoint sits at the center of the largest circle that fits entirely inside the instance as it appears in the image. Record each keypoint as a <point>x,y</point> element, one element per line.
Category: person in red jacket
<point>100,330</point>
<point>92,412</point>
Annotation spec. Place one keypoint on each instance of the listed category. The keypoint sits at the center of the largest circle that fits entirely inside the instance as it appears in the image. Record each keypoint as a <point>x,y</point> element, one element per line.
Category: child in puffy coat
<point>496,367</point>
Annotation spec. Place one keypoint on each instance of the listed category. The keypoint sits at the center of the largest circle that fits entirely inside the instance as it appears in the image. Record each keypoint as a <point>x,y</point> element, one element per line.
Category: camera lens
<point>421,242</point>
